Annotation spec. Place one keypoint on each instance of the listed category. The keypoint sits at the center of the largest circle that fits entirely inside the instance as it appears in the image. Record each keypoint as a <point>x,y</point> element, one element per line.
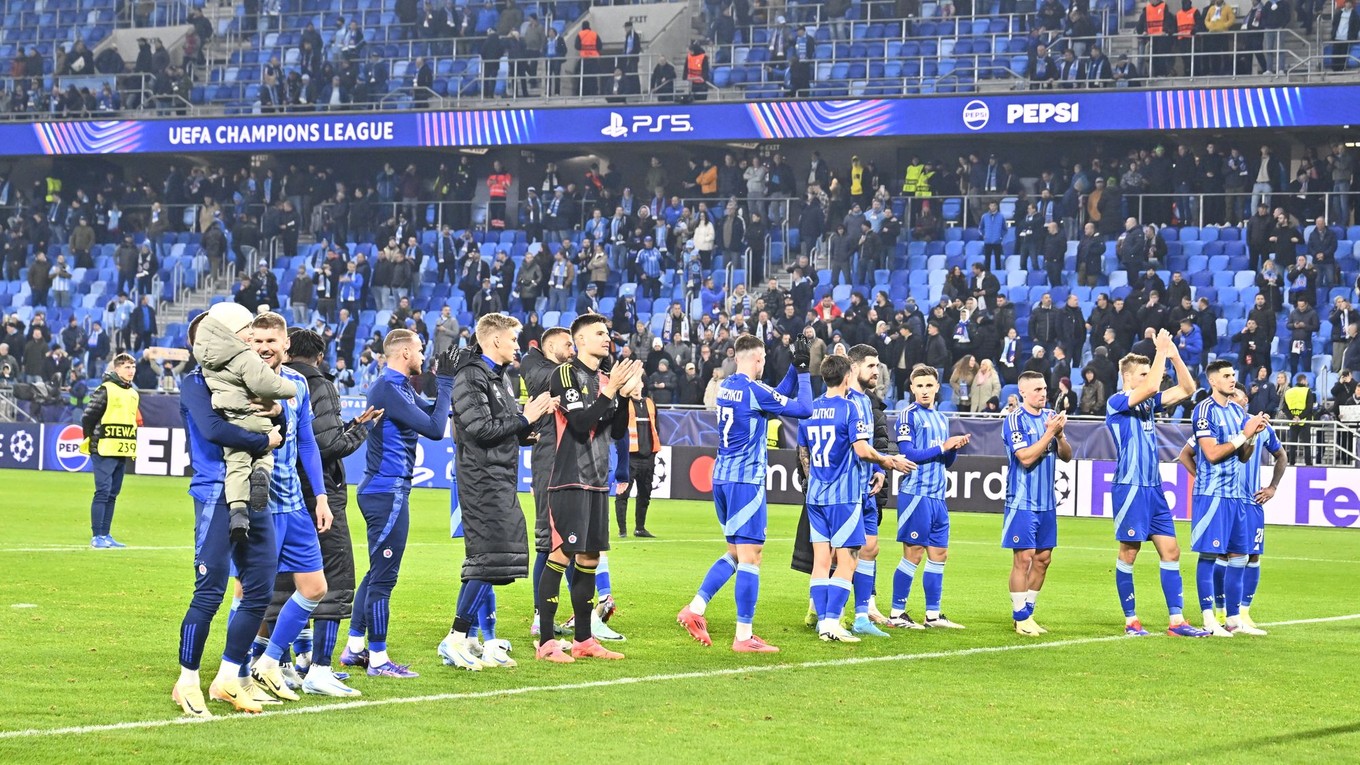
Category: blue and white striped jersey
<point>921,432</point>
<point>1220,422</point>
<point>829,435</point>
<point>1030,488</point>
<point>1135,439</point>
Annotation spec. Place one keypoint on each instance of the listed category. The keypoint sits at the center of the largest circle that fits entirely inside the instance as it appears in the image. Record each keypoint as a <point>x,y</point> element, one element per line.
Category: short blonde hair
<point>493,323</point>
<point>270,320</point>
<point>397,338</point>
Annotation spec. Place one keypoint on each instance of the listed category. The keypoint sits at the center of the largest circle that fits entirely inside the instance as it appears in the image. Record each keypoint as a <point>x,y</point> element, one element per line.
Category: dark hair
<point>858,353</point>
<point>834,370</point>
<point>551,332</point>
<point>305,344</point>
<point>1030,375</point>
<point>585,320</point>
<point>1217,365</point>
<point>921,370</point>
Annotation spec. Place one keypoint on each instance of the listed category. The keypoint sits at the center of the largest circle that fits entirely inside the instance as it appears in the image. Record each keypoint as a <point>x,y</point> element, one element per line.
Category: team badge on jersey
<point>387,552</point>
<point>572,539</point>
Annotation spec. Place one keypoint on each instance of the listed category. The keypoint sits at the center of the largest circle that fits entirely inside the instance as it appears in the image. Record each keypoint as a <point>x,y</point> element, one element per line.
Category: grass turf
<point>91,637</point>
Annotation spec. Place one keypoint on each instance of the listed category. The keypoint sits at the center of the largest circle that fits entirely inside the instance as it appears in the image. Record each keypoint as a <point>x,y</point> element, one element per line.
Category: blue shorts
<point>841,525</point>
<point>1028,530</point>
<point>1256,528</point>
<point>297,543</point>
<point>1218,525</point>
<point>922,521</point>
<point>741,511</point>
<point>872,515</point>
<point>1140,513</point>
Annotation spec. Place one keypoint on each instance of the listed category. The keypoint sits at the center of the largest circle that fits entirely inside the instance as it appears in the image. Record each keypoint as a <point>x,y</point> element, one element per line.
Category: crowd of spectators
<point>589,235</point>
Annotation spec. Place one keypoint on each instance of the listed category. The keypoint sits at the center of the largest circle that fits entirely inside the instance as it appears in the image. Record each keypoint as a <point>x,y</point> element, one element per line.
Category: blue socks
<point>838,592</point>
<point>1123,584</point>
<point>748,589</point>
<point>303,643</point>
<point>1172,587</point>
<point>325,633</point>
<point>602,585</point>
<point>1232,583</point>
<point>486,616</point>
<point>470,598</point>
<point>820,594</point>
<point>1220,572</point>
<point>1250,579</point>
<point>902,577</point>
<point>863,583</point>
<point>292,618</point>
<point>378,614</point>
<point>933,584</point>
<point>1204,581</point>
<point>717,576</point>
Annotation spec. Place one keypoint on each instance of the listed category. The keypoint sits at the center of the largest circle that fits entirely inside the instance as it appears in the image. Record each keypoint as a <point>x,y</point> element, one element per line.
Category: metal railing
<point>10,411</point>
<point>130,88</point>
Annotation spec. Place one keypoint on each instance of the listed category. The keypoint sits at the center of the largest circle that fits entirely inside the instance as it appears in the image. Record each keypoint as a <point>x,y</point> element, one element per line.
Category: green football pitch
<point>89,655</point>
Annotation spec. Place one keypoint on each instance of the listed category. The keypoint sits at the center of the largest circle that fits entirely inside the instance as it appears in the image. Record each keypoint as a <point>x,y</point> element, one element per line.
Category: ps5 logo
<point>647,123</point>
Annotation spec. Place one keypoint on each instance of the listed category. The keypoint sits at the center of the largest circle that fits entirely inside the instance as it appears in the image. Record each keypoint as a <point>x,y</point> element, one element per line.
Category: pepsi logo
<point>976,115</point>
<point>68,449</point>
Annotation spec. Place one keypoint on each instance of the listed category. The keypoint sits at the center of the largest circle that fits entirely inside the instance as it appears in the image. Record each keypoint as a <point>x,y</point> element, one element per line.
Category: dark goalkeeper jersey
<point>587,423</point>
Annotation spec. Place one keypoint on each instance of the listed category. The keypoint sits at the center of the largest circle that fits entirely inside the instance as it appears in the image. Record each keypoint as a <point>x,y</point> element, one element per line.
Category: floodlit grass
<point>90,639</point>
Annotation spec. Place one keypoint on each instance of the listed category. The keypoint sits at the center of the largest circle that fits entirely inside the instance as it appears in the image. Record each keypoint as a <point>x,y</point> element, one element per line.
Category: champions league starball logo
<point>1062,486</point>
<point>21,446</point>
<point>660,472</point>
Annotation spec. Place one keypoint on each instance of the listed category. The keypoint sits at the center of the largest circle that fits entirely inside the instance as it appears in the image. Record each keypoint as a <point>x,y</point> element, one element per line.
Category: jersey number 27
<point>822,438</point>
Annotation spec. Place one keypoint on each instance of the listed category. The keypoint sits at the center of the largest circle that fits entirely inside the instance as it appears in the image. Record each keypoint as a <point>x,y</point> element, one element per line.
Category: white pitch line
<point>533,689</point>
<point>181,548</point>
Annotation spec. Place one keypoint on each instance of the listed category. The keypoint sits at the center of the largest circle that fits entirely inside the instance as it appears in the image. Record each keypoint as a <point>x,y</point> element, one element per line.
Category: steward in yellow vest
<point>110,425</point>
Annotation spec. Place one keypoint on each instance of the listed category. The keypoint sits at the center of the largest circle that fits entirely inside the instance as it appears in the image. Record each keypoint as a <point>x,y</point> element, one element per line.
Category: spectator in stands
<point>1262,396</point>
<point>1157,28</point>
<point>1269,285</point>
<point>1219,20</point>
<point>1049,19</point>
<point>109,61</point>
<point>35,358</point>
<point>144,323</point>
<point>1097,67</point>
<point>1322,244</point>
<point>1055,254</point>
<point>1071,330</point>
<point>1351,358</point>
<point>1302,279</point>
<point>1078,30</point>
<point>1303,323</point>
<point>555,51</point>
<point>39,278</point>
<point>300,295</point>
<point>1125,75</point>
<point>93,347</point>
<point>1250,42</point>
<point>1090,257</point>
<point>1341,317</point>
<point>1266,172</point>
